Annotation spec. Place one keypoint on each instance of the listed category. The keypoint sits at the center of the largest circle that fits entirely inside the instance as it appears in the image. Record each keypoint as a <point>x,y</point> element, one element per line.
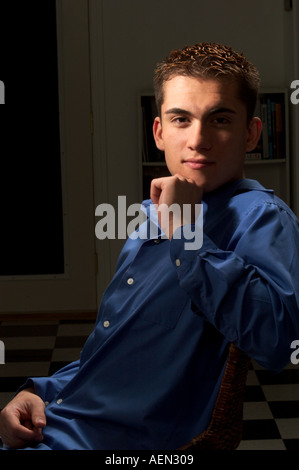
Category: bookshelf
<point>269,163</point>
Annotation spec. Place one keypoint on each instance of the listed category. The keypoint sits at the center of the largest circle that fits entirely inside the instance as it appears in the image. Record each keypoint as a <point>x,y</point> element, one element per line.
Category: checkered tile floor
<point>271,409</point>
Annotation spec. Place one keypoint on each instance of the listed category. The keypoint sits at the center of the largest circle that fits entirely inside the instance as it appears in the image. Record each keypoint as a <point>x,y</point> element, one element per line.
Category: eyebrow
<point>178,111</point>
<point>222,109</point>
<point>211,112</point>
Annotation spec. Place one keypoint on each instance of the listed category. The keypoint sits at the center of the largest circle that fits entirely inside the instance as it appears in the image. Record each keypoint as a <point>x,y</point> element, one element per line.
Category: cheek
<point>173,147</point>
<point>226,139</point>
<point>233,144</point>
<point>172,160</point>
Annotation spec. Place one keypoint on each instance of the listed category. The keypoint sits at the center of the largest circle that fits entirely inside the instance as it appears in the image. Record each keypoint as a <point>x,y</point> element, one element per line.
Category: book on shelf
<point>251,156</point>
<point>272,143</point>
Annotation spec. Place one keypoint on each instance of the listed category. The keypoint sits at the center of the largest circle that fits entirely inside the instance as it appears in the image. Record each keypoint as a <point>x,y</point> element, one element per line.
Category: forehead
<point>183,91</point>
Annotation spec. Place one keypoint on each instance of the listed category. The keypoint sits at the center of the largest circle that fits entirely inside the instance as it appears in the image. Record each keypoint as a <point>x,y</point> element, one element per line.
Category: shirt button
<point>106,324</point>
<point>178,262</point>
<point>46,403</point>
<point>130,281</point>
<point>157,240</point>
<point>59,401</point>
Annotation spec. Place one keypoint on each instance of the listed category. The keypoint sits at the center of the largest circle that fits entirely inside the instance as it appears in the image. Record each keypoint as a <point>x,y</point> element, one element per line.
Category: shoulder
<point>246,208</point>
<point>264,220</point>
<point>250,197</point>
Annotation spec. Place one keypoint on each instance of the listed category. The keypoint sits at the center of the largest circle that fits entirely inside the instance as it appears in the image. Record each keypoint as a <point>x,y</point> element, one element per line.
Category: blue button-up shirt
<point>149,374</point>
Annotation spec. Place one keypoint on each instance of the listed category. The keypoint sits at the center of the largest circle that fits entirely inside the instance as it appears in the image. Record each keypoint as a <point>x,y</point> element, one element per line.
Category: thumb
<point>38,416</point>
<point>38,423</point>
<point>39,419</point>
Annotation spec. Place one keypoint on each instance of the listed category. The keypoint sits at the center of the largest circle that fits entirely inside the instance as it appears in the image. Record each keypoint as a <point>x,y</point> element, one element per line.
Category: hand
<point>175,190</point>
<point>22,420</point>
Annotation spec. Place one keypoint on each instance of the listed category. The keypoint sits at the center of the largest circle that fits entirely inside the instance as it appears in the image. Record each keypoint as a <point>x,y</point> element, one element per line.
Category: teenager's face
<point>204,131</point>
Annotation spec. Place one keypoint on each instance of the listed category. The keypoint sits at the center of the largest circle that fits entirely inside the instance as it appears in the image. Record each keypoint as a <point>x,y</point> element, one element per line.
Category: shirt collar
<point>228,190</point>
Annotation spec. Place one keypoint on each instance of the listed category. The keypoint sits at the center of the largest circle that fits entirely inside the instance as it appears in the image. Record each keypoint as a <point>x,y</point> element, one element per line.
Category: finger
<point>38,429</point>
<point>28,424</point>
<point>19,436</point>
<point>156,190</point>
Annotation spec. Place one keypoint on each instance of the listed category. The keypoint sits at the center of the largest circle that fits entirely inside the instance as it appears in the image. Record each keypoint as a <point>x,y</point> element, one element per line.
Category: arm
<point>48,387</point>
<point>250,290</point>
<point>23,418</point>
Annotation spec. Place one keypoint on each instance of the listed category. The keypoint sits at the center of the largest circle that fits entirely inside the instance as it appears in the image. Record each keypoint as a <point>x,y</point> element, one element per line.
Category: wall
<point>135,34</point>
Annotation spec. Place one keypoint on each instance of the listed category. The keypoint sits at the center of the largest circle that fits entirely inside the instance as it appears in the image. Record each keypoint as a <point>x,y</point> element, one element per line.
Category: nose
<point>198,137</point>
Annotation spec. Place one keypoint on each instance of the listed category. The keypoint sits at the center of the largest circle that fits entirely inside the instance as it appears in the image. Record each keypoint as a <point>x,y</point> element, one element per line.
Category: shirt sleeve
<point>249,290</point>
<point>49,387</point>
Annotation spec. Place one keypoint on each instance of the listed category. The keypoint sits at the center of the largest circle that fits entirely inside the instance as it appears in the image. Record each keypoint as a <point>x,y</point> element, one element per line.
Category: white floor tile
<point>288,428</point>
<point>256,410</point>
<point>66,354</point>
<point>281,392</point>
<point>267,444</point>
<point>252,378</point>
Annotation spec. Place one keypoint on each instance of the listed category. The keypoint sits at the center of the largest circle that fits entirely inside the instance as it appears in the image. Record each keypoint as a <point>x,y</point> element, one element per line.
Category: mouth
<point>198,163</point>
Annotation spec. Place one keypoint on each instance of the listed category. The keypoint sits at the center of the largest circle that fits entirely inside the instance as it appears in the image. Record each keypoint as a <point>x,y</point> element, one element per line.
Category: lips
<point>198,163</point>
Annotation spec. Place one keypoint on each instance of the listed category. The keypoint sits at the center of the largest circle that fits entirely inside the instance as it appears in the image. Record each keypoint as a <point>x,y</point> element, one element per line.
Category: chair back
<point>225,429</point>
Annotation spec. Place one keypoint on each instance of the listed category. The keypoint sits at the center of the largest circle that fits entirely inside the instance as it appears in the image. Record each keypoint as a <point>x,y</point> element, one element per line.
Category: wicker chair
<point>225,429</point>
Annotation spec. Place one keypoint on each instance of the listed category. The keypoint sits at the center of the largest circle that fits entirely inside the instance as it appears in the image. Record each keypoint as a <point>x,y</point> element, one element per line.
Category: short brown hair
<point>210,61</point>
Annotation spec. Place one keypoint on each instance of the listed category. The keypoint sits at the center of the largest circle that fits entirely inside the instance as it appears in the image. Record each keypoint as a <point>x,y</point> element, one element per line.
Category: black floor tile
<point>260,429</point>
<point>15,331</point>
<point>11,384</point>
<point>291,444</point>
<point>70,341</point>
<point>284,409</point>
<point>254,393</point>
<point>28,355</point>
<point>55,366</point>
<point>287,376</point>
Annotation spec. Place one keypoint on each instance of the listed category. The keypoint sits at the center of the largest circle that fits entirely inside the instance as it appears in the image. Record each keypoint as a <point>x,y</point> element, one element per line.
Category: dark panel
<point>31,229</point>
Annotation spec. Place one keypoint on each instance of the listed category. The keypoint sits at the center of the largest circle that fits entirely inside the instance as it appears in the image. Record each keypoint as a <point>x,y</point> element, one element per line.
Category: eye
<point>180,120</point>
<point>220,121</point>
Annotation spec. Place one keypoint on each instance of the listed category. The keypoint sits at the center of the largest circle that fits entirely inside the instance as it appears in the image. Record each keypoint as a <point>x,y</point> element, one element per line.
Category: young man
<point>205,126</point>
<point>150,372</point>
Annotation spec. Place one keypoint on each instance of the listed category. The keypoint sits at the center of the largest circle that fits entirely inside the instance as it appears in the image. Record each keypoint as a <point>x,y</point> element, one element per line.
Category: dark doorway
<point>31,215</point>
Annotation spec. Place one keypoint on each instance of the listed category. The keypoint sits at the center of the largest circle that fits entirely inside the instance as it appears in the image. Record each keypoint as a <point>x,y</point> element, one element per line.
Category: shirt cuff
<point>182,251</point>
<point>28,384</point>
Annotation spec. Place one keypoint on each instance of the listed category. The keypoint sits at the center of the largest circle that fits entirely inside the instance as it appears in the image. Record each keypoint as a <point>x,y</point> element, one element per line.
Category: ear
<point>158,135</point>
<point>254,133</point>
